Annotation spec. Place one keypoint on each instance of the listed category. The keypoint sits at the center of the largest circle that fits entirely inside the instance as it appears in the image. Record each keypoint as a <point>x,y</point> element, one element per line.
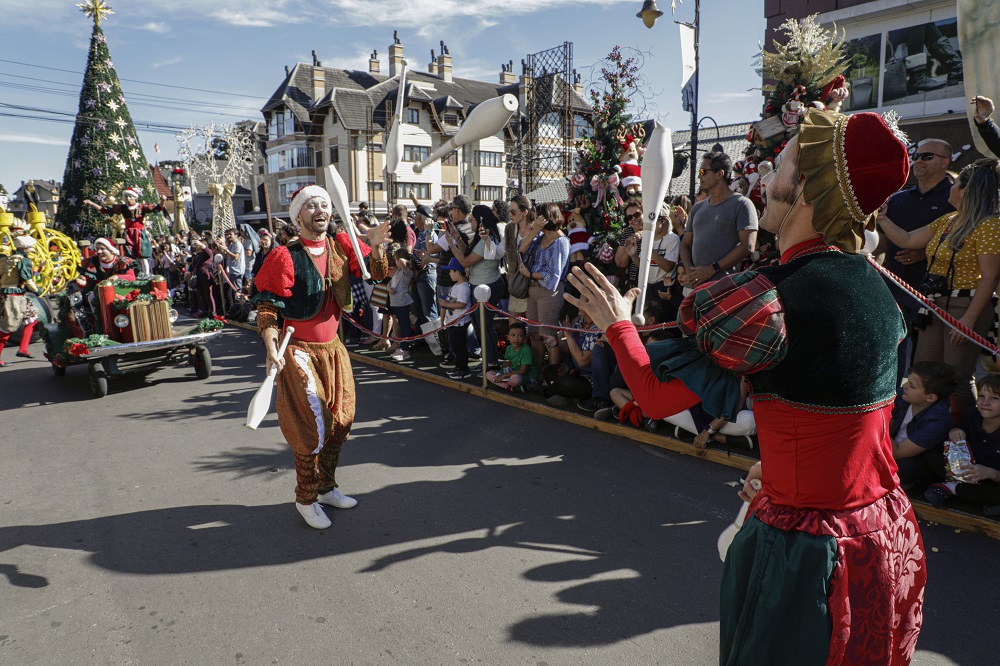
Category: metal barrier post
<point>482,294</point>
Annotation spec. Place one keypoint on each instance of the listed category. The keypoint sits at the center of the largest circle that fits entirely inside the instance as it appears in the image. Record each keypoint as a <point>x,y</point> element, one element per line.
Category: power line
<point>51,91</point>
<point>132,95</point>
<point>150,83</point>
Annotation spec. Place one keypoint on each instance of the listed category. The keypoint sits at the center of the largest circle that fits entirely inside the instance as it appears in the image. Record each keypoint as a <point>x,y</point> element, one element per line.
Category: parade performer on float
<point>81,295</point>
<point>307,283</point>
<point>137,242</point>
<point>831,546</point>
<point>15,307</point>
<point>106,262</point>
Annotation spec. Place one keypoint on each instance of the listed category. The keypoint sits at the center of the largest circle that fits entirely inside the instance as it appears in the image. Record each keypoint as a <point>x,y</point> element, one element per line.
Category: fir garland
<point>209,325</point>
<point>75,348</point>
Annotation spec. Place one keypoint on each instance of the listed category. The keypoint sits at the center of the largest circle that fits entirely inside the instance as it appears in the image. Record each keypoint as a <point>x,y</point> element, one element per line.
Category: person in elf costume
<point>137,241</point>
<point>106,262</point>
<point>831,546</point>
<point>307,281</point>
<point>15,307</point>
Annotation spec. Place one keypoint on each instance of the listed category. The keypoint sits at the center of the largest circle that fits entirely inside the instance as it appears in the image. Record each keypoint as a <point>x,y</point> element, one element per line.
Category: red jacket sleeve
<point>345,243</point>
<point>277,275</point>
<point>658,399</point>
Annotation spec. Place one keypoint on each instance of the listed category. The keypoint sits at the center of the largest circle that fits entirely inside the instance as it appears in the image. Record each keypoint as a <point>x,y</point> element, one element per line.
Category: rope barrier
<point>938,311</point>
<point>412,337</point>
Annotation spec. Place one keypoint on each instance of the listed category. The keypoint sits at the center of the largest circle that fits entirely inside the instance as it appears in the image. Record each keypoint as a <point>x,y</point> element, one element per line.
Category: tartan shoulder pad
<point>739,321</point>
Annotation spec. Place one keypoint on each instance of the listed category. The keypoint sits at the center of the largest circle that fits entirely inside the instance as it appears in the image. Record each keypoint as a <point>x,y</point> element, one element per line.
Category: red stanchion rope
<point>412,337</point>
<point>938,311</point>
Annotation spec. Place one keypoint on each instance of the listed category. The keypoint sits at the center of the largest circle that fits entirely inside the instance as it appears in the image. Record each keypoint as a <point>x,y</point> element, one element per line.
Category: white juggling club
<point>657,167</point>
<point>260,405</point>
<point>338,195</point>
<point>394,146</point>
<point>485,120</point>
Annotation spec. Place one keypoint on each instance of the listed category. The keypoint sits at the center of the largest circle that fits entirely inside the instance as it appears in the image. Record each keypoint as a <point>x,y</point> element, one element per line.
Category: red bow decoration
<point>78,349</point>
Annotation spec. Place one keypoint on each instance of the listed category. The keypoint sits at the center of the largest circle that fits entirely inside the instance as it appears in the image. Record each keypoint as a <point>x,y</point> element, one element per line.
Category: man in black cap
<point>425,267</point>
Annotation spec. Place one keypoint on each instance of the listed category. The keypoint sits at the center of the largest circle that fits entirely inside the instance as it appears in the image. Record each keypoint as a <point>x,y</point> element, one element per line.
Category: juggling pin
<point>260,405</point>
<point>728,534</point>
<point>657,167</point>
<point>338,195</point>
<point>394,146</point>
<point>485,120</point>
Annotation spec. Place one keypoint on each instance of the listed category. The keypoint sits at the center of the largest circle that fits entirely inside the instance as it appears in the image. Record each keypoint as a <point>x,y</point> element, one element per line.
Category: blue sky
<point>242,46</point>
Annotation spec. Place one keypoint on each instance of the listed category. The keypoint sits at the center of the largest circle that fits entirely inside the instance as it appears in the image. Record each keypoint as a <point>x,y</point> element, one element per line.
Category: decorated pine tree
<point>105,156</point>
<point>599,153</point>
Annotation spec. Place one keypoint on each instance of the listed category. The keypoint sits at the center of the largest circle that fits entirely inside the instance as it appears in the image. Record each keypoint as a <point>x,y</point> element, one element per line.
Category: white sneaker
<point>400,355</point>
<point>337,499</point>
<point>314,515</point>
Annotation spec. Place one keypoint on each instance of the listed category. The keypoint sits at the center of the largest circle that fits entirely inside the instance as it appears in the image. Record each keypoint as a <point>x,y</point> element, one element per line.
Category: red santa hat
<point>107,245</point>
<point>131,191</point>
<point>303,195</point>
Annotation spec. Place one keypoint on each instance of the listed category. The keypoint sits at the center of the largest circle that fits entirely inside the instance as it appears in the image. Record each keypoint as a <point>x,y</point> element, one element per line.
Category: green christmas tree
<point>599,152</point>
<point>105,155</point>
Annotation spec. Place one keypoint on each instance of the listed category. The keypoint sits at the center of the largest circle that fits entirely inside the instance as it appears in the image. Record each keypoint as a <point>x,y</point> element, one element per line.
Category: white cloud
<point>34,138</point>
<point>166,62</point>
<point>158,27</point>
<point>425,14</point>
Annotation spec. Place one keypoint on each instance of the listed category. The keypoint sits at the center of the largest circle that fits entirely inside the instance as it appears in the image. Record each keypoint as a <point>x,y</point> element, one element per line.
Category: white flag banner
<point>688,92</point>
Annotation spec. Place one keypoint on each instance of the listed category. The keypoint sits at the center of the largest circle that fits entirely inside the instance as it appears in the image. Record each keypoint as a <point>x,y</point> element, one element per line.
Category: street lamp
<point>649,13</point>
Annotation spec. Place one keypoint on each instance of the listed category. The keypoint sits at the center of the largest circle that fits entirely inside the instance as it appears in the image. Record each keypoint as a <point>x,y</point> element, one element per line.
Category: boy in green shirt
<point>517,364</point>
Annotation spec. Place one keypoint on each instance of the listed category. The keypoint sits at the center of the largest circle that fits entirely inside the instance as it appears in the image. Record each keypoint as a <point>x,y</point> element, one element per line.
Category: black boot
<point>919,82</point>
<point>950,57</point>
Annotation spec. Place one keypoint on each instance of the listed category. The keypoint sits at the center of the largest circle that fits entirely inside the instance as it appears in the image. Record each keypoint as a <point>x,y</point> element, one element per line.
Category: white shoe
<point>400,355</point>
<point>314,515</point>
<point>337,499</point>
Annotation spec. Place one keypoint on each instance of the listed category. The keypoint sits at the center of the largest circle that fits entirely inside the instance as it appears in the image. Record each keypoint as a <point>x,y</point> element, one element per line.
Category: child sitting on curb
<point>978,480</point>
<point>518,362</point>
<point>921,421</point>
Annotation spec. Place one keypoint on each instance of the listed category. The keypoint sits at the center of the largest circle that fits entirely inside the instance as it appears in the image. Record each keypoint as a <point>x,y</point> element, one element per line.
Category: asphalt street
<point>151,527</point>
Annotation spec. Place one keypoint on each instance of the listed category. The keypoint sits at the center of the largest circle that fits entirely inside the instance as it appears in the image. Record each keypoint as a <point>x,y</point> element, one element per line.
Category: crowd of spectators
<point>942,236</point>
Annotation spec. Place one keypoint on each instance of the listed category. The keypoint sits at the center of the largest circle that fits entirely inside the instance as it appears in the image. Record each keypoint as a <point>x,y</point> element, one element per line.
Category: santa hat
<point>24,242</point>
<point>579,240</point>
<point>302,196</point>
<point>869,164</point>
<point>131,190</point>
<point>837,82</point>
<point>107,245</point>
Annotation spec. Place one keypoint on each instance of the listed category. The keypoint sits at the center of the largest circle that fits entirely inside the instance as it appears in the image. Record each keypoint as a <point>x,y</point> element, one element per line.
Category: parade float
<point>111,325</point>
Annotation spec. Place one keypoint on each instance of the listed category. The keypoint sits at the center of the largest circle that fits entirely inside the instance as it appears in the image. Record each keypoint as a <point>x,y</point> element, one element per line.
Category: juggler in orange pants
<point>315,407</point>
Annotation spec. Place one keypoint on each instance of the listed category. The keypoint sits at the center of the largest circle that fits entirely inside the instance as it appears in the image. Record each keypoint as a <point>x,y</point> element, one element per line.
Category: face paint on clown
<point>314,217</point>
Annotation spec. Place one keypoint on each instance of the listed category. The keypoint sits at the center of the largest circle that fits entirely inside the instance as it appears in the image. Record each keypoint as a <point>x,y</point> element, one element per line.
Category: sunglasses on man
<point>702,172</point>
<point>927,157</point>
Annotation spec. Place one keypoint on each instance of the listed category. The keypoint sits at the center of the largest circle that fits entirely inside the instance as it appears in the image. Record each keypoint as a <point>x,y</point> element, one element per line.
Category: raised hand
<point>599,298</point>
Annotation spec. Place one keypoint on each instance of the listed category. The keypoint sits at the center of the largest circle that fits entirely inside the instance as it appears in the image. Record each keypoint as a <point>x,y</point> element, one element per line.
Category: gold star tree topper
<point>95,9</point>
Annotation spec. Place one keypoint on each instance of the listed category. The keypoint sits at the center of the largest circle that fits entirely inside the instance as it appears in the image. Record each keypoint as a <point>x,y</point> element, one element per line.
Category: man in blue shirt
<point>912,209</point>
